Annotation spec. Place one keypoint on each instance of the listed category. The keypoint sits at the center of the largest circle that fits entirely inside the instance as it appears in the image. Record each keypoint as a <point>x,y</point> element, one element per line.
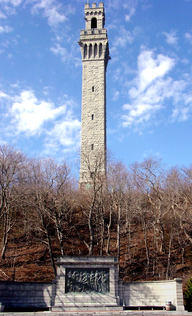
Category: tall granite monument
<point>95,55</point>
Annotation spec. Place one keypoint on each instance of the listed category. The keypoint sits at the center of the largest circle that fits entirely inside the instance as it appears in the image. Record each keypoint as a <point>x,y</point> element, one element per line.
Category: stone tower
<point>95,55</point>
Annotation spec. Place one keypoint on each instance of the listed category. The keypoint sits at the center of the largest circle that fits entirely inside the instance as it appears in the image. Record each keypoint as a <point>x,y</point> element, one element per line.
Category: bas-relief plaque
<point>87,280</point>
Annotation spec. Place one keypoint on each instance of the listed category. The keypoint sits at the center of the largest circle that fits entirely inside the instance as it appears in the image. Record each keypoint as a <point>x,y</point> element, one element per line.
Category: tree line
<point>142,206</point>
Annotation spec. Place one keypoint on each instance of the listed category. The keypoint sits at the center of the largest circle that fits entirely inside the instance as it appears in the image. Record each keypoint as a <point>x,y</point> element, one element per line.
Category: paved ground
<point>107,313</point>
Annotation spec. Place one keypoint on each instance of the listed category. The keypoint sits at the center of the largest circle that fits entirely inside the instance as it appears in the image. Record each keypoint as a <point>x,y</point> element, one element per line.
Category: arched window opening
<point>100,50</point>
<point>94,23</point>
<point>90,50</point>
<point>93,89</point>
<point>95,50</point>
<point>85,51</point>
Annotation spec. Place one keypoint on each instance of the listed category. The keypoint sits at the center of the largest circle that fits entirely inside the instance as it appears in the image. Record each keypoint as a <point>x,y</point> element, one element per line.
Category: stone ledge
<point>100,313</point>
<point>87,308</point>
<point>96,265</point>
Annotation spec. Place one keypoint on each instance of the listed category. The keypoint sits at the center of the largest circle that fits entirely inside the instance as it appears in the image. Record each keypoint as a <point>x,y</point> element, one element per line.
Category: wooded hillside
<point>142,214</point>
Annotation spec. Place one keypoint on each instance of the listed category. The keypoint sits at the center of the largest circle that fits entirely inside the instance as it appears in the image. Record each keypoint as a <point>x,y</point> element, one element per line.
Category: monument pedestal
<point>86,284</point>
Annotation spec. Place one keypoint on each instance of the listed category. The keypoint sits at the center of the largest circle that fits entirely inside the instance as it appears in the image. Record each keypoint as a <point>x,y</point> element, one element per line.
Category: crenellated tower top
<point>94,16</point>
<point>93,39</point>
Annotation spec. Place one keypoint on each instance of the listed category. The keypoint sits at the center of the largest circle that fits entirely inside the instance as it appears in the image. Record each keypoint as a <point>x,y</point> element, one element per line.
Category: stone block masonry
<point>86,284</point>
<point>90,284</point>
<point>95,55</point>
<point>152,293</point>
<point>25,295</point>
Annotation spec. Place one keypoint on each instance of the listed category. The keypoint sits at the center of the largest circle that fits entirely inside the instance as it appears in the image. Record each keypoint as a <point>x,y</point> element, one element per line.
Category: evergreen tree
<point>188,296</point>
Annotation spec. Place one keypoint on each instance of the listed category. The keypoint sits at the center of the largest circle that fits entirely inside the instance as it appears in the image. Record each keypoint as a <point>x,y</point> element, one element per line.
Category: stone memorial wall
<point>89,284</point>
<point>86,283</point>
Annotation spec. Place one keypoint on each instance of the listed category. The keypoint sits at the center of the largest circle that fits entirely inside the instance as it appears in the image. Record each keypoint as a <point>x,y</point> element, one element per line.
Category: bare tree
<point>93,189</point>
<point>48,186</point>
<point>59,199</point>
<point>149,177</point>
<point>12,164</point>
<point>185,207</point>
<point>117,183</point>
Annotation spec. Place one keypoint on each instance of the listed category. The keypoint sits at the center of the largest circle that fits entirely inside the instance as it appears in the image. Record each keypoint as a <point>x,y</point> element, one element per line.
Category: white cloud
<point>65,132</point>
<point>114,4</point>
<point>2,15</point>
<point>52,10</point>
<point>58,50</point>
<point>5,29</point>
<point>150,88</point>
<point>188,36</point>
<point>3,95</point>
<point>182,114</point>
<point>29,114</point>
<point>46,90</point>
<point>185,61</point>
<point>116,95</point>
<point>15,3</point>
<point>24,115</point>
<point>131,13</point>
<point>123,38</point>
<point>9,7</point>
<point>171,37</point>
<point>150,68</point>
<point>183,107</point>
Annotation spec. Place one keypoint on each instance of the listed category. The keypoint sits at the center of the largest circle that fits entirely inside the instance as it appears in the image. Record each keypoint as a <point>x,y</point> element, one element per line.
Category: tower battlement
<point>94,5</point>
<point>94,16</point>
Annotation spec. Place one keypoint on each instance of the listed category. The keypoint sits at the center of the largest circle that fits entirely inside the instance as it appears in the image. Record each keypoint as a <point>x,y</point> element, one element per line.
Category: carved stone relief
<point>87,280</point>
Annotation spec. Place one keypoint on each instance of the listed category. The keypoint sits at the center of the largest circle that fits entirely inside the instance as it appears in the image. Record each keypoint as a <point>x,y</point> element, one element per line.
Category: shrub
<point>188,296</point>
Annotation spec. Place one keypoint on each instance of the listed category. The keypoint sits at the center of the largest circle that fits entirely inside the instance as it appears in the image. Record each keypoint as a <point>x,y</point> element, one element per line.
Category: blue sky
<point>149,78</point>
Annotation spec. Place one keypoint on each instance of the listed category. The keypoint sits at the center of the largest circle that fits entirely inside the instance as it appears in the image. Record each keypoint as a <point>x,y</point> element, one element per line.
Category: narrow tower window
<point>90,50</point>
<point>91,175</point>
<point>92,146</point>
<point>92,88</point>
<point>95,50</point>
<point>100,50</point>
<point>92,117</point>
<point>85,51</point>
<point>94,23</point>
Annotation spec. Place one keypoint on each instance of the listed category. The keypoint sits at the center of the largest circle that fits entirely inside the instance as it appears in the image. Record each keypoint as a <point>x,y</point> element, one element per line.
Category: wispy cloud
<point>3,95</point>
<point>15,3</point>
<point>123,38</point>
<point>150,88</point>
<point>65,133</point>
<point>58,50</point>
<point>51,9</point>
<point>126,4</point>
<point>8,7</point>
<point>2,15</point>
<point>130,14</point>
<point>171,37</point>
<point>5,29</point>
<point>114,4</point>
<point>115,95</point>
<point>183,109</point>
<point>188,36</point>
